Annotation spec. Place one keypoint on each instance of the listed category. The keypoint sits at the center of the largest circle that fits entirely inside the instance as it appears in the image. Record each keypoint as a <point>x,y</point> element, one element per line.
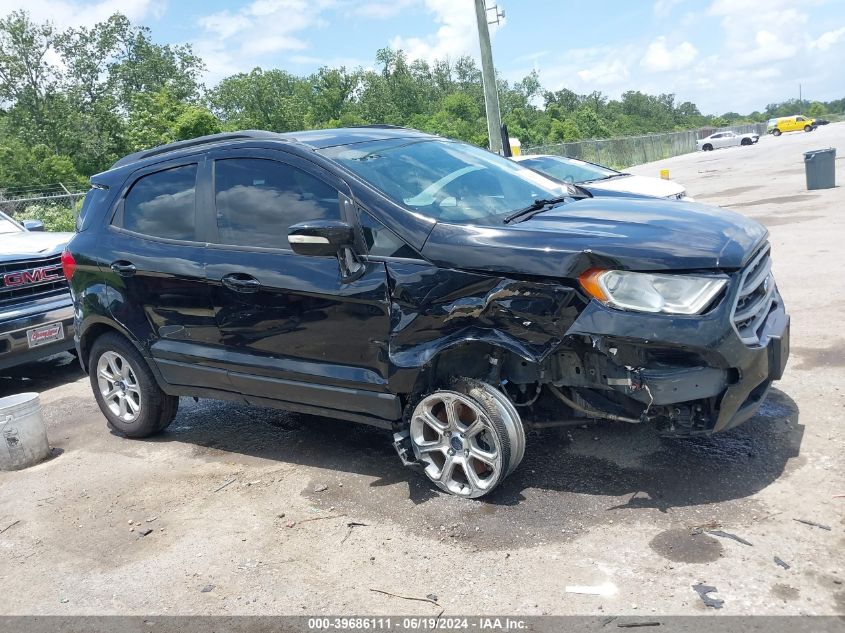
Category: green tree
<point>27,166</point>
<point>266,100</point>
<point>816,109</point>
<point>564,131</point>
<point>28,81</point>
<point>589,124</point>
<point>157,118</point>
<point>141,65</point>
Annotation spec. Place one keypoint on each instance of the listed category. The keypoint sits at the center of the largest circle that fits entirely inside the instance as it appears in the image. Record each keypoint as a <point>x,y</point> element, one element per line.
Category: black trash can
<point>820,168</point>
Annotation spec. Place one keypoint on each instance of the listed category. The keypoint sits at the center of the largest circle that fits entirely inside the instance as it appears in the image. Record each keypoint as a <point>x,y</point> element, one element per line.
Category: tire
<point>125,389</point>
<point>745,141</point>
<point>707,147</point>
<point>776,132</point>
<point>808,128</point>
<point>468,438</point>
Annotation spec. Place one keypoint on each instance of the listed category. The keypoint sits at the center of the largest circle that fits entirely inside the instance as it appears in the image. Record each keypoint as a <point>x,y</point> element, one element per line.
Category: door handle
<point>241,282</point>
<point>124,268</point>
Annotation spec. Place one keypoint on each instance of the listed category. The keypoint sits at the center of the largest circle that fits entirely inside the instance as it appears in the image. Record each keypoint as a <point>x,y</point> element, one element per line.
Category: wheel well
<point>473,359</point>
<point>92,333</point>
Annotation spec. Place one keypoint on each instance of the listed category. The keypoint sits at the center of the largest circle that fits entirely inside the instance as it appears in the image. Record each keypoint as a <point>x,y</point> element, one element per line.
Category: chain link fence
<point>57,209</point>
<point>625,151</point>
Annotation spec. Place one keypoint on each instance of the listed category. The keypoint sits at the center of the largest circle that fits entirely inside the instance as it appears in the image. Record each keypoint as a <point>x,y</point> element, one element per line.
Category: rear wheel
<point>776,132</point>
<point>125,389</point>
<point>468,438</point>
<point>707,147</point>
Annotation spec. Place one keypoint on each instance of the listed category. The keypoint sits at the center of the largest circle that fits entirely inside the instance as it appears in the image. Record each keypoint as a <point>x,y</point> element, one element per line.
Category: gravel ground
<point>240,510</point>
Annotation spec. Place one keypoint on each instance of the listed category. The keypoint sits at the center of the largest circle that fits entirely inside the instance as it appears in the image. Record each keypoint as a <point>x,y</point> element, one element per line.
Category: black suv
<point>423,285</point>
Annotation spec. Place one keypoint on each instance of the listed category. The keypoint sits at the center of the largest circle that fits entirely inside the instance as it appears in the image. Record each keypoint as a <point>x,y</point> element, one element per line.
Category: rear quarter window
<point>96,198</point>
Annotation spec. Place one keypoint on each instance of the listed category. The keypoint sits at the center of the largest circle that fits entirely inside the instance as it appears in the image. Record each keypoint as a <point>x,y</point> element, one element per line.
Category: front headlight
<point>651,292</point>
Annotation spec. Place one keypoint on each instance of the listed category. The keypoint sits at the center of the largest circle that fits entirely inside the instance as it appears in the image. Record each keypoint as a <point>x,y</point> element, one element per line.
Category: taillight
<point>68,264</point>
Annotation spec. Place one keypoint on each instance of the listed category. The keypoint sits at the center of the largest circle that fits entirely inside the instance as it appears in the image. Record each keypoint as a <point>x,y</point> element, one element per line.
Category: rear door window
<point>259,199</point>
<point>162,204</point>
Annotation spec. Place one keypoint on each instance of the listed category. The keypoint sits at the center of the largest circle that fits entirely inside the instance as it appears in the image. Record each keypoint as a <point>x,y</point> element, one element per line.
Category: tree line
<point>73,101</point>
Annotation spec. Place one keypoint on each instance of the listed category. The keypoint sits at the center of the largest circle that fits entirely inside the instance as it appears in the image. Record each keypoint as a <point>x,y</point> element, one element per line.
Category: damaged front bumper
<point>689,375</point>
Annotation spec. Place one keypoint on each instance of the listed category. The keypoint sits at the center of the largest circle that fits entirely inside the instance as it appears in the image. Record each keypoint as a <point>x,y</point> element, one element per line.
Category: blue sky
<point>724,55</point>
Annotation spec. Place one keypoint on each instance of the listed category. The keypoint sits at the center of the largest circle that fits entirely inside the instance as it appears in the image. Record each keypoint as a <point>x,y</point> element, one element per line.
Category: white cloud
<point>826,40</point>
<point>382,10</point>
<point>755,36</point>
<point>224,24</point>
<point>332,62</point>
<point>233,42</point>
<point>604,73</point>
<point>663,8</point>
<point>531,57</point>
<point>67,13</point>
<point>659,58</point>
<point>457,34</point>
<point>769,47</point>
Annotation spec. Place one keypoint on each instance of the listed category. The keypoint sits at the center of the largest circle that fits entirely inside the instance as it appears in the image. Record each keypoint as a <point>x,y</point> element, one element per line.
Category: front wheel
<point>776,132</point>
<point>707,147</point>
<point>746,141</point>
<point>808,128</point>
<point>468,438</point>
<point>125,389</point>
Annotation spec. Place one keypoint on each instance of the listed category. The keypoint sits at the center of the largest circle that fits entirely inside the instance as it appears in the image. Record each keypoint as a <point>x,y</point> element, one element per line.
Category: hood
<point>642,185</point>
<point>31,245</point>
<point>647,234</point>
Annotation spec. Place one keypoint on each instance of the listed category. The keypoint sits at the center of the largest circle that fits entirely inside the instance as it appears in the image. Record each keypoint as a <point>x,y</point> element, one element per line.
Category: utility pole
<point>800,100</point>
<point>488,74</point>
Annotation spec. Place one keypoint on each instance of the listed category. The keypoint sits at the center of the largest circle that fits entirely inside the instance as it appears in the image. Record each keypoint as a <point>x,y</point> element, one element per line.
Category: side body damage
<point>563,358</point>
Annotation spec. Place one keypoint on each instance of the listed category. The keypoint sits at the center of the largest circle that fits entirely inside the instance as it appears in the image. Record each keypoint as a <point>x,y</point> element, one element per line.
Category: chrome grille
<point>29,291</point>
<point>756,298</point>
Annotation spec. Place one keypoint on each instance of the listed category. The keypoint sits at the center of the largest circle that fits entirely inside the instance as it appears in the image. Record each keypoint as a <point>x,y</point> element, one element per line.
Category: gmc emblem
<point>32,276</point>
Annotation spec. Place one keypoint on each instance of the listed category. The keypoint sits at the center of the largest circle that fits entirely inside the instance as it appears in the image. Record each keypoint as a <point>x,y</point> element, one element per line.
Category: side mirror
<point>33,225</point>
<point>323,238</point>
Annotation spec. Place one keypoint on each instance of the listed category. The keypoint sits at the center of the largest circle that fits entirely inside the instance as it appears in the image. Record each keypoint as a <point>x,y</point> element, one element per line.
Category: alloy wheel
<point>118,386</point>
<point>461,449</point>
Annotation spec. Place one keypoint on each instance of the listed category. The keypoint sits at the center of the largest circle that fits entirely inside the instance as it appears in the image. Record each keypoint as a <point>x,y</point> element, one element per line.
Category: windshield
<point>569,169</point>
<point>7,226</point>
<point>446,180</point>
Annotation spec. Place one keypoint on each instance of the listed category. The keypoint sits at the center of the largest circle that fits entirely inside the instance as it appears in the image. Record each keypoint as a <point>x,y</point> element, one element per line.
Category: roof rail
<point>382,125</point>
<point>200,140</point>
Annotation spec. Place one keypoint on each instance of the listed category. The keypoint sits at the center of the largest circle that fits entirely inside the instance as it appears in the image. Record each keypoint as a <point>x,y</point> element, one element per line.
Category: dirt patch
<point>777,220</point>
<point>815,357</point>
<point>839,601</point>
<point>682,545</point>
<point>735,191</point>
<point>785,592</point>
<point>779,200</point>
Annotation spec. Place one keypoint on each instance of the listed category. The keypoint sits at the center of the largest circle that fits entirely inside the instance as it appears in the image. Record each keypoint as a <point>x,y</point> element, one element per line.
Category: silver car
<point>726,139</point>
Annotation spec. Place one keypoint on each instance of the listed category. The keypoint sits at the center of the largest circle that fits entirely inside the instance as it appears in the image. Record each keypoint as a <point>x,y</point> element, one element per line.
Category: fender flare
<point>108,323</point>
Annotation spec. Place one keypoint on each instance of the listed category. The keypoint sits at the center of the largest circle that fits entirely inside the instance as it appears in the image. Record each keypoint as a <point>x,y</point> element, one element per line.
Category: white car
<point>726,139</point>
<point>592,176</point>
